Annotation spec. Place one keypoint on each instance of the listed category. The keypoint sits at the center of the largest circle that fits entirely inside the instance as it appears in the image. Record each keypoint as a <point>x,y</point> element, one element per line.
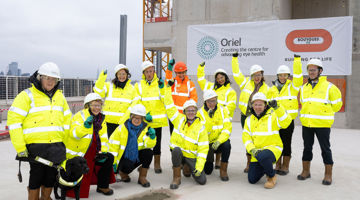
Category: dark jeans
<point>157,148</point>
<point>145,157</point>
<point>105,170</point>
<point>111,128</point>
<point>323,136</point>
<point>224,149</point>
<point>263,166</point>
<point>41,175</point>
<point>171,126</point>
<point>286,136</point>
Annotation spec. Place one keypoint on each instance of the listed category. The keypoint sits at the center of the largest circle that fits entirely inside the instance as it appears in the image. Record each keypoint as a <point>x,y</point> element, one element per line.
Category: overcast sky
<point>81,36</point>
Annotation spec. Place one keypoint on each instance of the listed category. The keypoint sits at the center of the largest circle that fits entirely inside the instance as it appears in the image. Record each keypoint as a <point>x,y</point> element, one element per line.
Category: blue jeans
<point>263,166</point>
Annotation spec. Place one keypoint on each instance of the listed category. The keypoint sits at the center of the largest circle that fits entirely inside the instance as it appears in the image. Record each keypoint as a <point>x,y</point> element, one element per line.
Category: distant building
<point>1,73</point>
<point>13,69</point>
<point>25,74</point>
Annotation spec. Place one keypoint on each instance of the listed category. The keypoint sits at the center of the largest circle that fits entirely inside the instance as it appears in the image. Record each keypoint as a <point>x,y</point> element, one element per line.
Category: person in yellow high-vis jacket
<point>261,138</point>
<point>248,86</point>
<point>320,100</point>
<point>132,144</point>
<point>151,91</point>
<point>219,127</point>
<point>39,120</point>
<point>285,92</point>
<point>119,96</point>
<point>189,142</point>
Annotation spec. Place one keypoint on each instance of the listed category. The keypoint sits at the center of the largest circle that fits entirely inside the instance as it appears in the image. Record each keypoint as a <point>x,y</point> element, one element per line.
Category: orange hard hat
<point>180,67</point>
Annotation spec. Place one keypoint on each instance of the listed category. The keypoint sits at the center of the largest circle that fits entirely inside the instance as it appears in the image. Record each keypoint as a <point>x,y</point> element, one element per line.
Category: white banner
<point>271,44</point>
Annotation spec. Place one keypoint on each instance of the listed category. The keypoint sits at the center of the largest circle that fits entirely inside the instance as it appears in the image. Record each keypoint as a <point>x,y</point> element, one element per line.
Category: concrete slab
<point>345,178</point>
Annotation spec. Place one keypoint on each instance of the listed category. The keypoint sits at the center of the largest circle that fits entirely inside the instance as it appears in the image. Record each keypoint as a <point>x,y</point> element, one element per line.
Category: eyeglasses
<point>49,78</point>
<point>96,105</point>
<point>190,111</point>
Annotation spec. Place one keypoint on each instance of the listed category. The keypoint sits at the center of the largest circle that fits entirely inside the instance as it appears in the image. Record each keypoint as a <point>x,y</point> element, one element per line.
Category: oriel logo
<point>207,47</point>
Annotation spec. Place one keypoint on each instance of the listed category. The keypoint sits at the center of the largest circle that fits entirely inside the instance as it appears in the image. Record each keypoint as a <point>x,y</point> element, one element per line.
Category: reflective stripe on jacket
<point>35,118</point>
<point>79,139</point>
<point>226,95</point>
<point>263,133</point>
<point>319,104</point>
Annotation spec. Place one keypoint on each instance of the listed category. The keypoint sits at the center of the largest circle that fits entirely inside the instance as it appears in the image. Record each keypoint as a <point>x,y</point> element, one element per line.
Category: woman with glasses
<point>248,86</point>
<point>88,139</point>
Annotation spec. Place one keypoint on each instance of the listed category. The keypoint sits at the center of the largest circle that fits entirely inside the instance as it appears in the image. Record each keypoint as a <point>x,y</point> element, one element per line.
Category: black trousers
<point>171,126</point>
<point>105,170</point>
<point>145,157</point>
<point>157,148</point>
<point>286,137</point>
<point>111,128</point>
<point>323,136</point>
<point>224,149</point>
<point>41,175</point>
<point>263,166</point>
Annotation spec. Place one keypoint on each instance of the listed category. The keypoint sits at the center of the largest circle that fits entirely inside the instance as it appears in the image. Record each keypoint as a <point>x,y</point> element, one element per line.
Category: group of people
<point>119,129</point>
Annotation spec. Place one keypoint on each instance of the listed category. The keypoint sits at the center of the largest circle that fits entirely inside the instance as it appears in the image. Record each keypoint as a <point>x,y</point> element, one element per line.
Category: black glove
<point>171,83</point>
<point>202,64</point>
<point>235,55</point>
<point>296,56</point>
<point>273,104</point>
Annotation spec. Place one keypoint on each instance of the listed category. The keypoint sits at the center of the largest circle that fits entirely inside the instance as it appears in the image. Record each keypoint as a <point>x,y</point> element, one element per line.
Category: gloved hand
<point>171,64</point>
<point>171,83</point>
<point>88,122</point>
<point>273,104</point>
<point>202,64</point>
<point>23,154</point>
<point>151,132</point>
<point>215,145</point>
<point>235,55</point>
<point>197,173</point>
<point>296,56</point>
<point>114,167</point>
<point>105,71</point>
<point>148,117</point>
<point>254,152</point>
<point>161,83</point>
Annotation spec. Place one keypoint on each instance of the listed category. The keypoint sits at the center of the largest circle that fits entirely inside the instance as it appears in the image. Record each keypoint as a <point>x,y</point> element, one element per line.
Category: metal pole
<point>123,31</point>
<point>159,64</point>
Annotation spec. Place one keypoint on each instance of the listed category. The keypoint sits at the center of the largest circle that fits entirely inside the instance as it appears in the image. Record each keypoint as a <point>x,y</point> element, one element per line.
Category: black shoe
<point>301,178</point>
<point>108,193</point>
<point>147,184</point>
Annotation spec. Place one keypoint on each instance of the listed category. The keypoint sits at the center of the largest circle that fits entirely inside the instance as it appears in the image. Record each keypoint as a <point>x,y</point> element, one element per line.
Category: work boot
<point>246,170</point>
<point>217,160</point>
<point>328,175</point>
<point>285,166</point>
<point>186,170</point>
<point>157,167</point>
<point>45,193</point>
<point>305,172</point>
<point>223,171</point>
<point>142,177</point>
<point>278,165</point>
<point>105,191</point>
<point>124,177</point>
<point>176,178</point>
<point>271,182</point>
<point>34,194</point>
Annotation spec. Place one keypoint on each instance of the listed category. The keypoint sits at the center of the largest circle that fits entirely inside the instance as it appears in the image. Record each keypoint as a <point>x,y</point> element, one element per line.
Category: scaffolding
<point>157,11</point>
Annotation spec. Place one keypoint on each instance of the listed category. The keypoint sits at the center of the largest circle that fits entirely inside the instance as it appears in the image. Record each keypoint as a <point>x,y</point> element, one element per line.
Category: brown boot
<point>45,193</point>
<point>217,160</point>
<point>278,165</point>
<point>186,170</point>
<point>223,171</point>
<point>142,177</point>
<point>328,175</point>
<point>176,178</point>
<point>246,170</point>
<point>305,172</point>
<point>157,167</point>
<point>124,177</point>
<point>285,166</point>
<point>34,194</point>
<point>271,182</point>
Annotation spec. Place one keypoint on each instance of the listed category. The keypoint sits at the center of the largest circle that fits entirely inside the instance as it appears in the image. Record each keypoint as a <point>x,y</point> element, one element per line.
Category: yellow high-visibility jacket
<point>192,140</point>
<point>117,100</point>
<point>119,138</point>
<point>226,95</point>
<point>219,127</point>
<point>79,139</point>
<point>152,97</point>
<point>246,85</point>
<point>287,97</point>
<point>263,133</point>
<point>319,104</point>
<point>35,118</point>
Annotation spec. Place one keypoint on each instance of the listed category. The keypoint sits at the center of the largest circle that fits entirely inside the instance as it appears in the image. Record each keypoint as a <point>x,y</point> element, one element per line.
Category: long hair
<point>227,81</point>
<point>116,81</point>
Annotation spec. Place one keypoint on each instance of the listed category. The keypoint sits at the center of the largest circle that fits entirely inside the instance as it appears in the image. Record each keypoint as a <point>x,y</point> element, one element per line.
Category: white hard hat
<point>208,94</point>
<point>138,109</point>
<point>315,61</point>
<point>91,97</point>
<point>220,71</point>
<point>255,68</point>
<point>259,96</point>
<point>120,67</point>
<point>283,69</point>
<point>189,103</point>
<point>49,69</point>
<point>146,64</point>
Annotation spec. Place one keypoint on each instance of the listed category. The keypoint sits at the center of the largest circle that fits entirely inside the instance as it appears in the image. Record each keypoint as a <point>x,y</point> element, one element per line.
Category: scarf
<point>98,119</point>
<point>131,150</point>
<point>278,85</point>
